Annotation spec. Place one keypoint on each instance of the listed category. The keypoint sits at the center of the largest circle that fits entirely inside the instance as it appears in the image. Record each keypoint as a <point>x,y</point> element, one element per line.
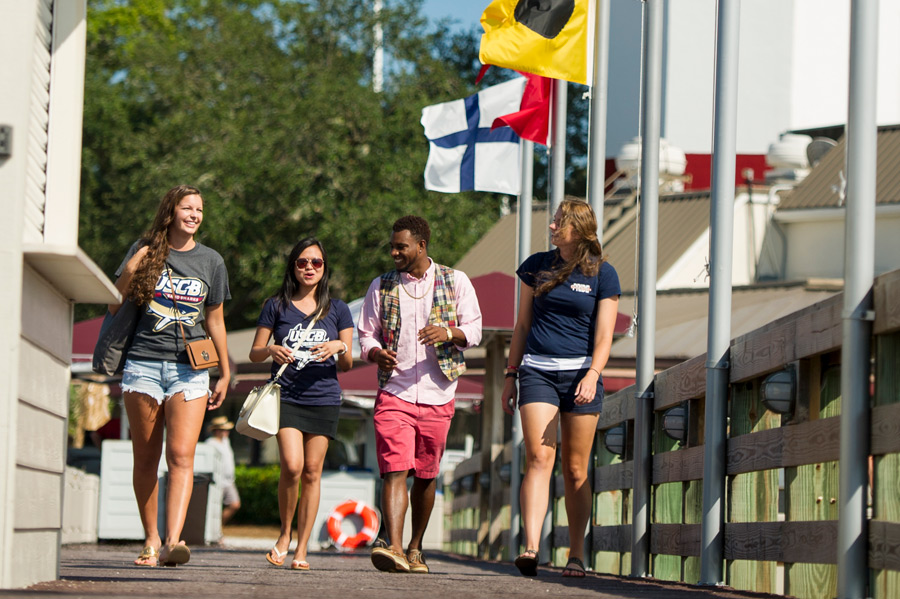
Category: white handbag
<point>261,413</point>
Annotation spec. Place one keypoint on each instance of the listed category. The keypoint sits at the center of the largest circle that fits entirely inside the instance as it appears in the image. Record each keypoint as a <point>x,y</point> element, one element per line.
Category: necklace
<point>403,287</point>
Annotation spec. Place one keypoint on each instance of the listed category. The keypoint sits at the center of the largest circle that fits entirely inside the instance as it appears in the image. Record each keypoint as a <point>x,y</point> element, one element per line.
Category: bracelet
<point>449,334</point>
<point>511,367</point>
<point>595,370</point>
<point>512,375</point>
<point>343,351</point>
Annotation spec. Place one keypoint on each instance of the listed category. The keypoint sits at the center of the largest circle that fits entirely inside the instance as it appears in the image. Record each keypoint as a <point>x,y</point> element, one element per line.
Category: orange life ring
<point>366,534</point>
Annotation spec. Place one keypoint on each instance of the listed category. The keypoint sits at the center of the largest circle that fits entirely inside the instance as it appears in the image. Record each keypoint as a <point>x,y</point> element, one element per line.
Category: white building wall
<point>44,274</point>
<point>690,270</point>
<point>794,57</point>
<point>815,244</point>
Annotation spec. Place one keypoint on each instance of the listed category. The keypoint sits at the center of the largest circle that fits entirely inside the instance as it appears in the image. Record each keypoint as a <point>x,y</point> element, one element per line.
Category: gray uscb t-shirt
<point>199,279</point>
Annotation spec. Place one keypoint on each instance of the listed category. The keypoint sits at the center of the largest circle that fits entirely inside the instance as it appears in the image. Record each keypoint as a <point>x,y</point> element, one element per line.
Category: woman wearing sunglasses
<point>313,332</point>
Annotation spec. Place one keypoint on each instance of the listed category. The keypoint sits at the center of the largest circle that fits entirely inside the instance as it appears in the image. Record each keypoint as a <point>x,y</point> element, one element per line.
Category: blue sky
<point>465,12</point>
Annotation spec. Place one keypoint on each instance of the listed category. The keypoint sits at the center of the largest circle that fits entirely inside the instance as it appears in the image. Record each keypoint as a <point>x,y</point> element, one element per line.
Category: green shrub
<point>258,486</point>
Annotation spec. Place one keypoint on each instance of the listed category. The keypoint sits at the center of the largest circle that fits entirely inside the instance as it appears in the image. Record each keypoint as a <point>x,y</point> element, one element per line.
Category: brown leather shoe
<point>387,560</point>
<point>416,561</point>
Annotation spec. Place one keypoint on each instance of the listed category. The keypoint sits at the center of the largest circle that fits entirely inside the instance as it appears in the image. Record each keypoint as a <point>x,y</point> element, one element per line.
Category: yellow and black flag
<point>544,37</point>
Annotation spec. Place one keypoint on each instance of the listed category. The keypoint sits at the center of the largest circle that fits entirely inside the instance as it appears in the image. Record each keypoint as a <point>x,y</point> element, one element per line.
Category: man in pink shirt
<point>414,323</point>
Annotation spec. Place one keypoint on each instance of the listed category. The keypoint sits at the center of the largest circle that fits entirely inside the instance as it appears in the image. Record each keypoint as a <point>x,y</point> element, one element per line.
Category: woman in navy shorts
<point>311,331</point>
<point>161,389</point>
<point>561,342</point>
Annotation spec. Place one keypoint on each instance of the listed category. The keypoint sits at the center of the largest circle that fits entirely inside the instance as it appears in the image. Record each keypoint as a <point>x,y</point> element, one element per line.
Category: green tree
<point>268,108</point>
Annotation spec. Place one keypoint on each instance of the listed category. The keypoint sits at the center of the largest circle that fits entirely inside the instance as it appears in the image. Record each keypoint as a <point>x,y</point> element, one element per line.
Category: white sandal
<point>279,554</point>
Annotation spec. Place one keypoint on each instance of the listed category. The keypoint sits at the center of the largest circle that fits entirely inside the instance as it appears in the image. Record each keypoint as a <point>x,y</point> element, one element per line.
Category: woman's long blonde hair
<point>588,253</point>
<point>143,284</point>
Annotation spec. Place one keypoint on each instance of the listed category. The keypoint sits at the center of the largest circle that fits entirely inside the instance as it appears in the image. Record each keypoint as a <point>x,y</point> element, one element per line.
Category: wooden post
<point>753,496</point>
<point>610,509</point>
<point>693,493</point>
<point>492,497</point>
<point>811,494</point>
<point>668,505</point>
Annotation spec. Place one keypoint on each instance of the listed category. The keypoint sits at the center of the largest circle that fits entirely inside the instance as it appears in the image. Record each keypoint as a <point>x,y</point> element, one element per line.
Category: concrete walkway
<point>229,571</point>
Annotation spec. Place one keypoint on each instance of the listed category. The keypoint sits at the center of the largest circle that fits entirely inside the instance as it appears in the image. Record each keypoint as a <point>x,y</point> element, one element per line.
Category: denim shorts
<point>557,387</point>
<point>162,380</point>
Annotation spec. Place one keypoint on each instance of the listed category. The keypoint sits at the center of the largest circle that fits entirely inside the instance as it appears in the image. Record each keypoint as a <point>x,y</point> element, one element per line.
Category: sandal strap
<point>577,561</point>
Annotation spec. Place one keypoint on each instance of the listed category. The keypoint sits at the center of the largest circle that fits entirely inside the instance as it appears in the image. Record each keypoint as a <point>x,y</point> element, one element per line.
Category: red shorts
<point>410,436</point>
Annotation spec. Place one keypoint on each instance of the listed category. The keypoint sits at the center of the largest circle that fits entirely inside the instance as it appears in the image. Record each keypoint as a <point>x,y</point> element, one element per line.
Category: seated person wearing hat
<point>219,429</point>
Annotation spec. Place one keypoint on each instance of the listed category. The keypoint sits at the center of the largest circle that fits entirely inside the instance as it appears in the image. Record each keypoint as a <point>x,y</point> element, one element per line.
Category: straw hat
<point>220,423</point>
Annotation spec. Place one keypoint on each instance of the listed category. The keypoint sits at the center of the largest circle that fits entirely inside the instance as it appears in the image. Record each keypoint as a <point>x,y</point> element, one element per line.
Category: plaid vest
<point>443,313</point>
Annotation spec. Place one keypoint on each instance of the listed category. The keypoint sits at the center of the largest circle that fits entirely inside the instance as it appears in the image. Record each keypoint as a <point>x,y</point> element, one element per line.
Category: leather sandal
<point>175,554</point>
<point>148,553</point>
<point>574,568</point>
<point>527,562</point>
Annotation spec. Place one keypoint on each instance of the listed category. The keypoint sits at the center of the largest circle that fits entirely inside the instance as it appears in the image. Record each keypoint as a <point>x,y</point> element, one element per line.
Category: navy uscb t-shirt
<point>316,383</point>
<point>563,320</point>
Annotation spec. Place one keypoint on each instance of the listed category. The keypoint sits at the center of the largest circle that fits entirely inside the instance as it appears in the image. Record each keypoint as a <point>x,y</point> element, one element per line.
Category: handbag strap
<point>175,302</point>
<point>303,336</point>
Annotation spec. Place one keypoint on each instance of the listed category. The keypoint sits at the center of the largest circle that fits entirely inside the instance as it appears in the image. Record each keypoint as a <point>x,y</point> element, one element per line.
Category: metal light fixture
<point>505,471</point>
<point>614,440</point>
<point>675,423</point>
<point>779,391</point>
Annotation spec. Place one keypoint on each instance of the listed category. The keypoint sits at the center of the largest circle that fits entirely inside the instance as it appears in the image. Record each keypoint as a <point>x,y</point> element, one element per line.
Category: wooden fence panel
<point>811,331</point>
<point>884,536</point>
<point>811,489</point>
<point>752,496</point>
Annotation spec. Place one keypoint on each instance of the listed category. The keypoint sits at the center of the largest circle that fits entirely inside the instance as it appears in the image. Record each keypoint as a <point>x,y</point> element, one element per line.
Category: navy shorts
<point>557,387</point>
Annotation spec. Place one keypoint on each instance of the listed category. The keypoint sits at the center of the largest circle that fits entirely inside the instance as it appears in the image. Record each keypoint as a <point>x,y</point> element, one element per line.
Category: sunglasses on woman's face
<point>317,263</point>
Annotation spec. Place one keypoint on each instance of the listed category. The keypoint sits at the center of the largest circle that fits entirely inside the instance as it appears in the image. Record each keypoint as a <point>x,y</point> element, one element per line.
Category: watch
<point>343,351</point>
<point>449,334</point>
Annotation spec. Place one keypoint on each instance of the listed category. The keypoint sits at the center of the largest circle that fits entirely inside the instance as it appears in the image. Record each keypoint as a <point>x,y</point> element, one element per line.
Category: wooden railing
<point>781,511</point>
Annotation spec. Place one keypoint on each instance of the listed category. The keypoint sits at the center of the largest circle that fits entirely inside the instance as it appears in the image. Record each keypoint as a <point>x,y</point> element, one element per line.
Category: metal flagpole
<point>524,249</point>
<point>378,58</point>
<point>651,110</point>
<point>597,127</point>
<point>718,342</point>
<point>558,149</point>
<point>859,269</point>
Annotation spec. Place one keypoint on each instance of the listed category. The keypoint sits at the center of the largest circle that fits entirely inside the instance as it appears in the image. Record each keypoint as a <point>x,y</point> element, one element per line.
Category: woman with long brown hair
<point>560,345</point>
<point>177,282</point>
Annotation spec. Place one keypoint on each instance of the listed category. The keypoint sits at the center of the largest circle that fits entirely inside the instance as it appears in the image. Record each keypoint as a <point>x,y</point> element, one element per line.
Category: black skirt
<point>313,420</point>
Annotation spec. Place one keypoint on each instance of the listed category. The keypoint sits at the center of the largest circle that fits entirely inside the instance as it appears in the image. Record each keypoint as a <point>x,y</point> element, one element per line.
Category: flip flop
<point>527,562</point>
<point>299,564</point>
<point>148,553</point>
<point>278,554</point>
<point>574,568</point>
<point>175,554</point>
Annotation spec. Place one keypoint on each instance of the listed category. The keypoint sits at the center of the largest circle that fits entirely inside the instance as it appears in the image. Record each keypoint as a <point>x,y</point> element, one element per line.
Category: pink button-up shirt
<point>417,377</point>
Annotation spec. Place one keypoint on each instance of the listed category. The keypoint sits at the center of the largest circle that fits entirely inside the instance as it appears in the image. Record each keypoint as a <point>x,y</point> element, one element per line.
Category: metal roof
<point>820,189</point>
<point>681,315</point>
<point>496,250</point>
<point>682,219</point>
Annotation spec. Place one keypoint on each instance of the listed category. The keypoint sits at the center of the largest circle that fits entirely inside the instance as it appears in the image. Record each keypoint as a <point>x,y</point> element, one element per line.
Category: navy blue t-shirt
<point>316,383</point>
<point>563,320</point>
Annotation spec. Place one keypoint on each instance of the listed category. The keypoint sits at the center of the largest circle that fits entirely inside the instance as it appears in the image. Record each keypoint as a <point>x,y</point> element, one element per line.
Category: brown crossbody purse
<point>201,353</point>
